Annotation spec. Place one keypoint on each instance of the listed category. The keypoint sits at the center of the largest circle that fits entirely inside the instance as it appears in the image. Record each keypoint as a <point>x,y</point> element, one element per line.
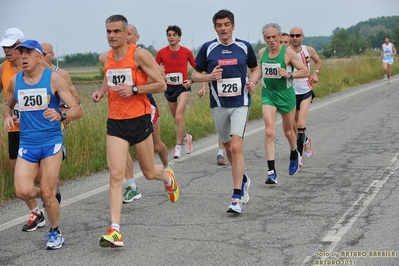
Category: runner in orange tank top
<point>11,38</point>
<point>129,119</point>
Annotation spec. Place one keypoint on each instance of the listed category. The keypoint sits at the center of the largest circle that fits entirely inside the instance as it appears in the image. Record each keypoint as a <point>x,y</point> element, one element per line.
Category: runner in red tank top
<point>174,59</point>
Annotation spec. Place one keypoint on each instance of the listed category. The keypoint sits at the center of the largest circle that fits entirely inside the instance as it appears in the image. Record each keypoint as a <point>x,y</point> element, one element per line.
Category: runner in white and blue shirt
<point>234,58</point>
<point>224,63</point>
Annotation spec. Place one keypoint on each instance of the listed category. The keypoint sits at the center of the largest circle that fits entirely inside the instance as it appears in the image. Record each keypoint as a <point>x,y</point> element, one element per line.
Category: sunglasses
<point>12,46</point>
<point>295,35</point>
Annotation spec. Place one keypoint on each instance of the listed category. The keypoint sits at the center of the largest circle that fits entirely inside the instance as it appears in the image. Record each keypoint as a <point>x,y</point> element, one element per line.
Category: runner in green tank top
<point>278,95</point>
<point>277,91</point>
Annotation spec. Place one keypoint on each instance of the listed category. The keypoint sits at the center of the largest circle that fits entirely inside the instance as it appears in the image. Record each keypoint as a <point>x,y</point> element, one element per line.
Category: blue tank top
<point>37,131</point>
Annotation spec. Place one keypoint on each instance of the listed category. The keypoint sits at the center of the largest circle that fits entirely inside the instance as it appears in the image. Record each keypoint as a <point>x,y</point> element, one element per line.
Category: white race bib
<point>116,76</point>
<point>174,78</point>
<point>32,99</point>
<point>270,70</point>
<point>229,87</point>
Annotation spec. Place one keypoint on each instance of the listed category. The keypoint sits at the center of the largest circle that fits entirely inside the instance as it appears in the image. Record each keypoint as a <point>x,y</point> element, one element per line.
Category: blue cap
<point>31,44</point>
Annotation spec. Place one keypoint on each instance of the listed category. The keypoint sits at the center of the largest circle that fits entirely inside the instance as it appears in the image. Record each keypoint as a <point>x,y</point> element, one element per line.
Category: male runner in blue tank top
<point>38,92</point>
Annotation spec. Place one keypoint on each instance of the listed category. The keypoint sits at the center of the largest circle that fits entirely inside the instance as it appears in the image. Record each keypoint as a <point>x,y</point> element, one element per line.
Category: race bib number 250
<point>32,99</point>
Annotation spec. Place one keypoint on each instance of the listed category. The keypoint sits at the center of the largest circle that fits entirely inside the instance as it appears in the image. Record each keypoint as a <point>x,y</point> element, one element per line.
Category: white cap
<point>11,36</point>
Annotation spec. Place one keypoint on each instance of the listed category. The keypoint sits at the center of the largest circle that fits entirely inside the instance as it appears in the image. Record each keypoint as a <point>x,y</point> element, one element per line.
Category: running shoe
<point>111,239</point>
<point>220,160</point>
<point>235,204</point>
<point>300,161</point>
<point>177,153</point>
<point>131,195</point>
<point>307,148</point>
<point>55,240</point>
<point>244,190</point>
<point>389,81</point>
<point>36,220</point>
<point>293,167</point>
<point>188,143</point>
<point>173,191</point>
<point>271,177</point>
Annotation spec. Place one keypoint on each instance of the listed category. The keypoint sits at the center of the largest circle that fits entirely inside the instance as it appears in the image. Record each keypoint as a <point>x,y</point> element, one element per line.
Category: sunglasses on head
<point>295,35</point>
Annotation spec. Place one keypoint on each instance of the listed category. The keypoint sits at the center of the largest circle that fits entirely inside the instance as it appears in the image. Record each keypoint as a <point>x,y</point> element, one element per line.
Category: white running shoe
<point>188,143</point>
<point>177,153</point>
<point>307,148</point>
<point>244,190</point>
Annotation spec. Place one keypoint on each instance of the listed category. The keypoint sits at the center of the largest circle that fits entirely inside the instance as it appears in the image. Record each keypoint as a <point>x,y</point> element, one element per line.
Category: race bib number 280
<point>32,99</point>
<point>270,70</point>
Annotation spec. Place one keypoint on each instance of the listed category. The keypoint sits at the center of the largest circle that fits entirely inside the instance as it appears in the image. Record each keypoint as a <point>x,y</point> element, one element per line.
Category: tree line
<point>355,40</point>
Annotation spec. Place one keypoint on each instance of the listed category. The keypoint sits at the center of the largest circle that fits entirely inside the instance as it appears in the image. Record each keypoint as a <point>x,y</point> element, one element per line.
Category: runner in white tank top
<point>388,52</point>
<point>303,90</point>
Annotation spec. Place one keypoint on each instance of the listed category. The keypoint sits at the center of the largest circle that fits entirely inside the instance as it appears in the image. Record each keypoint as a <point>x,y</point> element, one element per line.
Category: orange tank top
<point>125,71</point>
<point>8,73</point>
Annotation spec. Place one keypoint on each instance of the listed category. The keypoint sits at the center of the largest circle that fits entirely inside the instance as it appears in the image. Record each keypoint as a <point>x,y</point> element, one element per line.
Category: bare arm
<point>98,95</point>
<point>291,58</point>
<point>72,88</point>
<point>204,77</point>
<point>60,86</point>
<point>9,106</point>
<point>1,74</point>
<point>316,59</point>
<point>146,62</point>
<point>394,50</point>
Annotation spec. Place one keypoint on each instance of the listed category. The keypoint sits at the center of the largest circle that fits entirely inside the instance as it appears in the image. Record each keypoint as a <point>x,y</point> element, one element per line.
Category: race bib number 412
<point>116,76</point>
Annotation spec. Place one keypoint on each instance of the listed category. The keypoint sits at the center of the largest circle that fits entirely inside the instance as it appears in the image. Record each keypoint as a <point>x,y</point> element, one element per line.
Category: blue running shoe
<point>271,177</point>
<point>294,165</point>
<point>55,240</point>
<point>244,190</point>
<point>235,204</point>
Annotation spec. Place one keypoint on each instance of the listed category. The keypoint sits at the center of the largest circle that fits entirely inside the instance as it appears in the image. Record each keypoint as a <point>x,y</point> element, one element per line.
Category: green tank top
<point>270,76</point>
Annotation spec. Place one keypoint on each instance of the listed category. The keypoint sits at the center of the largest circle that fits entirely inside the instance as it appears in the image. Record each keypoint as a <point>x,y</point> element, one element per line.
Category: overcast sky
<point>78,26</point>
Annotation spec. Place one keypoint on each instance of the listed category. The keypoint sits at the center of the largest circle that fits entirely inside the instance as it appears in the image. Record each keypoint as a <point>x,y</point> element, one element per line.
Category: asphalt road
<point>341,207</point>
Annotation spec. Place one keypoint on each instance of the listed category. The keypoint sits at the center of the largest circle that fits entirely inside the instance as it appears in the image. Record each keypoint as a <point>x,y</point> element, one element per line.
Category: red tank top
<point>125,71</point>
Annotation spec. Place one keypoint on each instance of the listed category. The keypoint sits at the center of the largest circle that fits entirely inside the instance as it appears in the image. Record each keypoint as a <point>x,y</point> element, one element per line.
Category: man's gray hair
<point>271,25</point>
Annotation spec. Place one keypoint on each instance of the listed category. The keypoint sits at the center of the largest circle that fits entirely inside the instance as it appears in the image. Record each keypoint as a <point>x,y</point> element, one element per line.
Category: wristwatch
<point>291,77</point>
<point>63,115</point>
<point>317,71</point>
<point>135,90</point>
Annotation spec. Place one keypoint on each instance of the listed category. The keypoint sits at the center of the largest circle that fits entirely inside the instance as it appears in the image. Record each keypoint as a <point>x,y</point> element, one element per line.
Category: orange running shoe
<point>173,190</point>
<point>188,143</point>
<point>112,239</point>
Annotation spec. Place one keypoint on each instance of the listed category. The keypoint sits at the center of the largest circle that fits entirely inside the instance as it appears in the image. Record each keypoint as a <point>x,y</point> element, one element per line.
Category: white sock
<point>132,183</point>
<point>35,210</point>
<point>221,152</point>
<point>169,183</point>
<point>117,227</point>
